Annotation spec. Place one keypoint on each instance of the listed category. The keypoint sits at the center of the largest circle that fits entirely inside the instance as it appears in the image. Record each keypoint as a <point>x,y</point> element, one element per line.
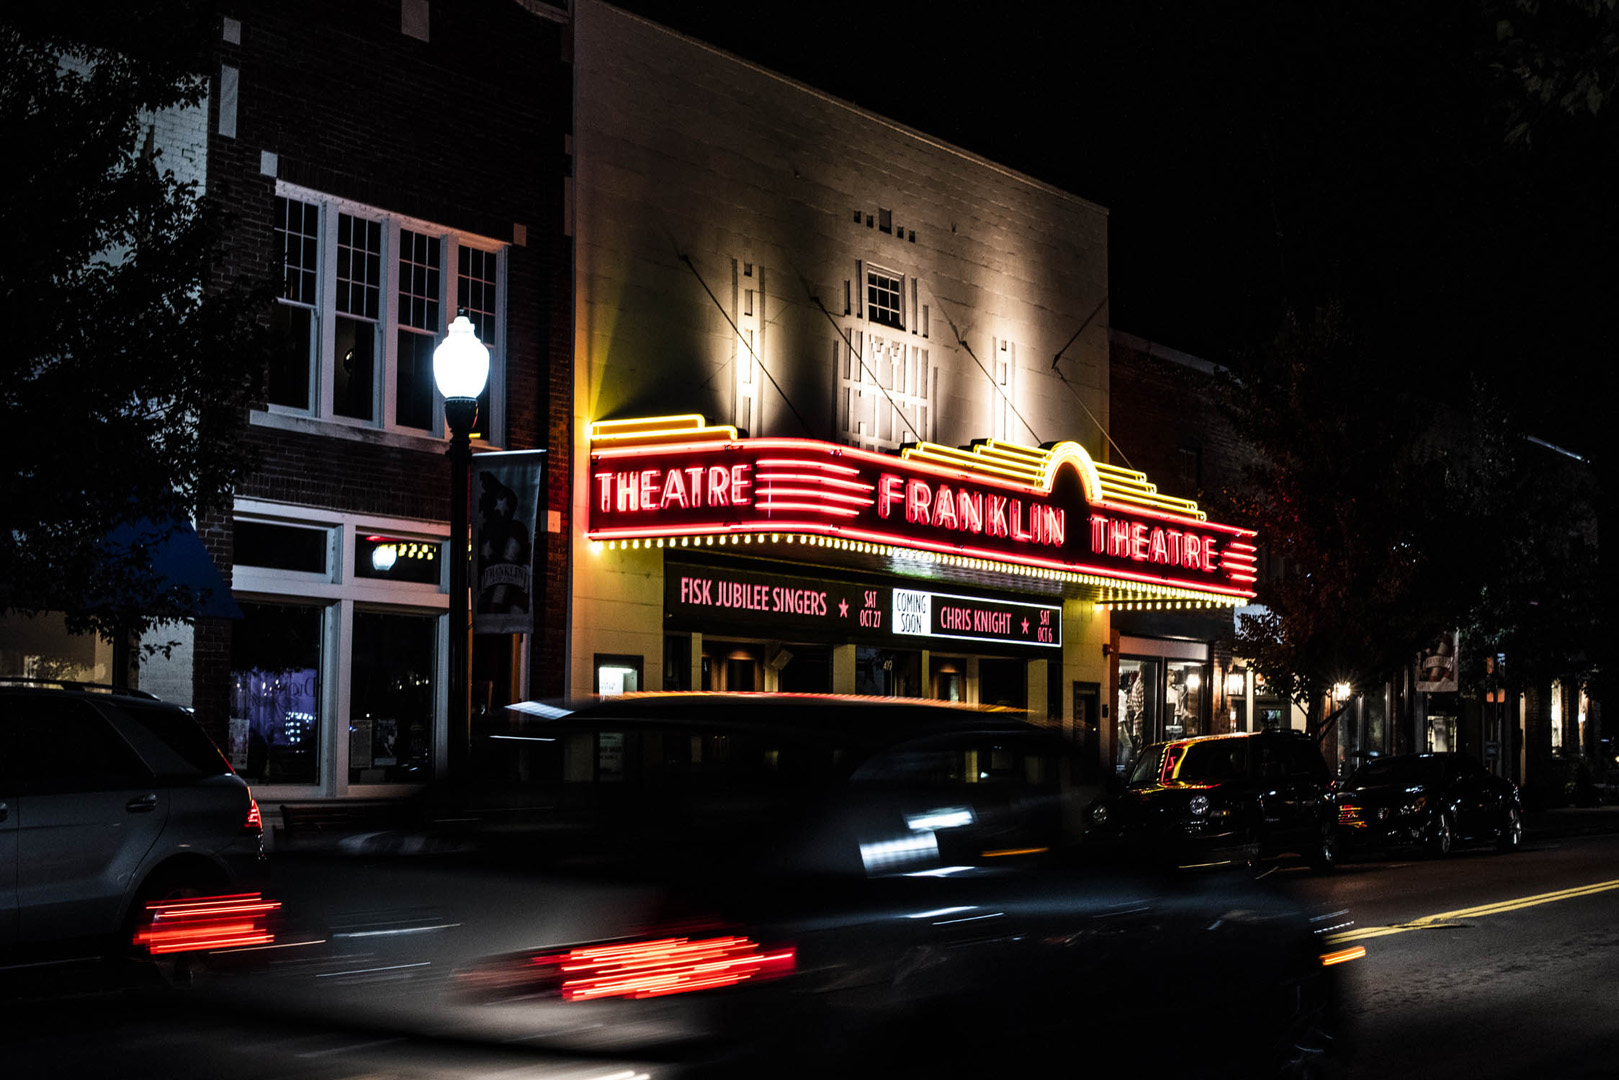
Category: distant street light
<point>460,368</point>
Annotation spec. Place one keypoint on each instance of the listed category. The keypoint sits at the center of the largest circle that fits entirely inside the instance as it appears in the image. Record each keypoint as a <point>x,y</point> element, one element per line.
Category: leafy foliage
<point>1345,484</point>
<point>1557,58</point>
<point>130,358</point>
<point>1396,520</point>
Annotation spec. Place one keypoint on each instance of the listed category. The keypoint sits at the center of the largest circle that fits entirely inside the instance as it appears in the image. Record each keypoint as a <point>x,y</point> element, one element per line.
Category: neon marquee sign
<point>1052,508</point>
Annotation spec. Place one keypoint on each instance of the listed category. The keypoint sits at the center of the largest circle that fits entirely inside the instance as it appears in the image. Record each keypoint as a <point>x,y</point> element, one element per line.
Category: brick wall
<point>1167,424</point>
<point>465,130</point>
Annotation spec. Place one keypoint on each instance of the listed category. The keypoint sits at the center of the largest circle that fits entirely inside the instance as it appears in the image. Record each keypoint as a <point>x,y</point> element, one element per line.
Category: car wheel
<point>1443,838</point>
<point>1512,833</point>
<point>1325,856</point>
<point>178,970</point>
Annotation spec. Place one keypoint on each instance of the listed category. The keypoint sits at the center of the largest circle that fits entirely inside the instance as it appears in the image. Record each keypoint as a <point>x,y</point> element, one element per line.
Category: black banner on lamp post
<point>507,492</point>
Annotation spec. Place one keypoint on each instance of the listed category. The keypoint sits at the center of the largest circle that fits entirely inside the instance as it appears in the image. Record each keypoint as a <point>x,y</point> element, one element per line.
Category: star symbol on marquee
<point>843,609</point>
<point>1025,626</point>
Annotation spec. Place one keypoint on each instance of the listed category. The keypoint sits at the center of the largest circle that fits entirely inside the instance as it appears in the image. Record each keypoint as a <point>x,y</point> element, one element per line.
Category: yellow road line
<point>1449,918</point>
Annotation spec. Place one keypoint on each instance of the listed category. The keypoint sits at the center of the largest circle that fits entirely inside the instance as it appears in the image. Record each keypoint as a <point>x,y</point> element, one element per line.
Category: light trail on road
<point>1449,918</point>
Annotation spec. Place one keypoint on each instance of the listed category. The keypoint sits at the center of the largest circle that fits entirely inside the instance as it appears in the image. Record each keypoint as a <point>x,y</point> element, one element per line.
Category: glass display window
<point>276,655</point>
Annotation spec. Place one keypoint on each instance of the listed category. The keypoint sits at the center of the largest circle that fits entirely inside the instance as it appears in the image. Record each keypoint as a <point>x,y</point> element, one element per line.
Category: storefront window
<point>392,697</point>
<point>1557,716</point>
<point>1183,699</point>
<point>949,679</point>
<point>1003,682</point>
<point>806,670</point>
<point>275,693</point>
<point>1137,708</point>
<point>1442,734</point>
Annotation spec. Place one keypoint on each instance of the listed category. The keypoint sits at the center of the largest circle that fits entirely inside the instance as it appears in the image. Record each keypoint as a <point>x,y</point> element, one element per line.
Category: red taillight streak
<point>213,922</point>
<point>667,966</point>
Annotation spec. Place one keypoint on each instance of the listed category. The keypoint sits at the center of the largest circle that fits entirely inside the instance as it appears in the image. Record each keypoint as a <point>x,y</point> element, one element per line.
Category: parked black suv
<point>109,799</point>
<point>1224,799</point>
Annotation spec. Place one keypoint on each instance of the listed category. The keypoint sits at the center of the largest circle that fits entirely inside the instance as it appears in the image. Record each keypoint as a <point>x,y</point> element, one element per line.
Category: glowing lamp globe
<point>461,361</point>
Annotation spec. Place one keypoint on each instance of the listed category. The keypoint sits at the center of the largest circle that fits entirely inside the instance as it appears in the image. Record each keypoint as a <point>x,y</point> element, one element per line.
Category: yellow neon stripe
<point>682,422</point>
<point>1342,956</point>
<point>1431,921</point>
<point>654,438</point>
<point>1015,851</point>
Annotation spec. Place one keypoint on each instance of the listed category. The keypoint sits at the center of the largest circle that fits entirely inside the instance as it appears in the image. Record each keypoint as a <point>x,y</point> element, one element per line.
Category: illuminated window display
<point>392,697</point>
<point>276,653</point>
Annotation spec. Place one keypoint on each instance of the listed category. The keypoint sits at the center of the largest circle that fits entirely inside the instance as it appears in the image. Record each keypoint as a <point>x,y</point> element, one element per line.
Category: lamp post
<point>460,368</point>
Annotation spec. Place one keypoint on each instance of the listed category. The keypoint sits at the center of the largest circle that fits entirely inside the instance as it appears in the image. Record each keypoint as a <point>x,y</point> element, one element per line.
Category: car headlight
<point>1415,806</point>
<point>1199,805</point>
<point>1099,814</point>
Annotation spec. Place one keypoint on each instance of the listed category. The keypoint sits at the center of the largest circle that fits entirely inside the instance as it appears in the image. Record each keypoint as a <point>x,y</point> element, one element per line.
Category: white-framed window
<point>339,666</point>
<point>885,388</point>
<point>365,297</point>
<point>885,297</point>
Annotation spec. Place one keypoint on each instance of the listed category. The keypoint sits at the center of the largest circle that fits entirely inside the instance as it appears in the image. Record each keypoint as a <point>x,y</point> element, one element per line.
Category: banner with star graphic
<point>506,492</point>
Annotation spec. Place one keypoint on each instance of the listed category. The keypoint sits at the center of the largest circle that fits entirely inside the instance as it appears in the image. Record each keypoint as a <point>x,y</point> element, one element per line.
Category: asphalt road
<point>1479,966</point>
<point>1484,965</point>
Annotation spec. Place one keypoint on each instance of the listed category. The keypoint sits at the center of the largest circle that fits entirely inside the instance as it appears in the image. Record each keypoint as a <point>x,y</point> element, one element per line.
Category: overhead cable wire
<point>962,341</point>
<point>1072,390</point>
<point>1094,312</point>
<point>742,338</point>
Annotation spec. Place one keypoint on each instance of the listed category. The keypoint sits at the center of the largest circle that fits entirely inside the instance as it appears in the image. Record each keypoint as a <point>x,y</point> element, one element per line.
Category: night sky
<point>1256,157</point>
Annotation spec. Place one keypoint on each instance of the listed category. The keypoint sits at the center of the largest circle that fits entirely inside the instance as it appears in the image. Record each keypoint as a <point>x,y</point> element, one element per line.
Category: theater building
<point>841,403</point>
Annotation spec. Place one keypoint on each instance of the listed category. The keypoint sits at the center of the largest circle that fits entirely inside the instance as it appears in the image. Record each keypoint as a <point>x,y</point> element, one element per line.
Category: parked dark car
<point>1431,801</point>
<point>1238,798</point>
<point>763,885</point>
<point>109,800</point>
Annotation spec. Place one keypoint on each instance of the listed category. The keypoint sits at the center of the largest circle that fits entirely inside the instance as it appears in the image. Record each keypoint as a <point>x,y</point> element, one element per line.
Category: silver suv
<point>109,800</point>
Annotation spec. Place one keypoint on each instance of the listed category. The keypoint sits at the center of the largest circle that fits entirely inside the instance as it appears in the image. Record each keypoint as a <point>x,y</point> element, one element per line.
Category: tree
<point>131,357</point>
<point>1345,488</point>
<point>1556,58</point>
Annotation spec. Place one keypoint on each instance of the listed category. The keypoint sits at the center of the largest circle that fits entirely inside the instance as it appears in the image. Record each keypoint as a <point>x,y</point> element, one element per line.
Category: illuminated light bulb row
<point>1151,597</point>
<point>1165,605</point>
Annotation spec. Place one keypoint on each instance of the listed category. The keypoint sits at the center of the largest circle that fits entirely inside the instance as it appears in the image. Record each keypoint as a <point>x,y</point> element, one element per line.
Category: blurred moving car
<point>1432,801</point>
<point>1233,798</point>
<point>788,884</point>
<point>110,800</point>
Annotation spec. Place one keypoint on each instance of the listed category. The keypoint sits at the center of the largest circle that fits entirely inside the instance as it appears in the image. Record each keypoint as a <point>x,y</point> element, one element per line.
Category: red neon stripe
<point>787,489</point>
<point>809,478</point>
<point>790,505</point>
<point>768,463</point>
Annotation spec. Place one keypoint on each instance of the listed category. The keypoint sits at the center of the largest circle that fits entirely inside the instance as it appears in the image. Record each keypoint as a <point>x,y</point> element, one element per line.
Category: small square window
<point>883,298</point>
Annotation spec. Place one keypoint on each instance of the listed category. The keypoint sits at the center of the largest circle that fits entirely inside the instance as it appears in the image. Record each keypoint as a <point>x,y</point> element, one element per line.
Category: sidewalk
<point>1571,821</point>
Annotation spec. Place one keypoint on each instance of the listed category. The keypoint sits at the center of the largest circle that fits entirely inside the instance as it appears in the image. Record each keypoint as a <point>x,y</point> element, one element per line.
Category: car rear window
<point>180,734</point>
<point>1212,762</point>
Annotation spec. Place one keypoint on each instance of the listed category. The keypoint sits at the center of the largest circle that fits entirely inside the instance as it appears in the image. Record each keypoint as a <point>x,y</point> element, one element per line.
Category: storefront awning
<point>184,579</point>
<point>1037,512</point>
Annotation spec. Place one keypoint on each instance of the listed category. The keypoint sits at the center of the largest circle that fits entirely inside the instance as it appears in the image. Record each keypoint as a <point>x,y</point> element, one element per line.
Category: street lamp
<point>460,368</point>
